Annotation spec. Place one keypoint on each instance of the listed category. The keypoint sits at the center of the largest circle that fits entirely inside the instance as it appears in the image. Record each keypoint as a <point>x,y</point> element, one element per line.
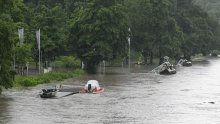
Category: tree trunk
<point>91,68</point>
<point>151,58</point>
<point>144,53</point>
<point>161,57</point>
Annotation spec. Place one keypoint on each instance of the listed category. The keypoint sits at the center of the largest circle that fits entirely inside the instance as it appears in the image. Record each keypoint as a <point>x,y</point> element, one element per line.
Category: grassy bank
<point>27,81</point>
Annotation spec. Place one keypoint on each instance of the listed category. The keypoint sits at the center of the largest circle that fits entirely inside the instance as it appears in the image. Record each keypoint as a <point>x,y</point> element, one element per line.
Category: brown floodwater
<point>192,96</point>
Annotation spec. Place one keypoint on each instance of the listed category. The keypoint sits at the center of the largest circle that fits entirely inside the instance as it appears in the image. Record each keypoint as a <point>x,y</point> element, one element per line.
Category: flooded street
<point>192,96</point>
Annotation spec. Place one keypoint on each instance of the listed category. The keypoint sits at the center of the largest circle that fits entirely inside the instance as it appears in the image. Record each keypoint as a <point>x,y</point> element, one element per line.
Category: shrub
<point>45,78</point>
<point>68,62</point>
<point>27,81</point>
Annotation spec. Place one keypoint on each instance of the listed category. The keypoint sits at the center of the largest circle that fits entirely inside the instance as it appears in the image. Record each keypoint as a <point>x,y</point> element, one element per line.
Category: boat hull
<point>168,72</point>
<point>187,63</point>
<point>48,93</point>
<point>99,91</point>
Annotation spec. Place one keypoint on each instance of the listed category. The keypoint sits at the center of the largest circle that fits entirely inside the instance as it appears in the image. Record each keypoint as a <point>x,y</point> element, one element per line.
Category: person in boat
<point>184,62</point>
<point>91,86</point>
<point>166,64</point>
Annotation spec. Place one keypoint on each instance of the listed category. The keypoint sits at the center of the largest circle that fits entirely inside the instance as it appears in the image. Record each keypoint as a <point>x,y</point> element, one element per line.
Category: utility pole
<point>129,51</point>
<point>38,43</point>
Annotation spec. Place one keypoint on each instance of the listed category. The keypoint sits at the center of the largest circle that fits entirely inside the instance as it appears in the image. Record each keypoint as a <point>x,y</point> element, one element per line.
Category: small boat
<point>48,93</point>
<point>140,63</point>
<point>165,69</point>
<point>98,91</point>
<point>168,71</point>
<point>93,92</point>
<point>187,63</point>
<point>184,62</point>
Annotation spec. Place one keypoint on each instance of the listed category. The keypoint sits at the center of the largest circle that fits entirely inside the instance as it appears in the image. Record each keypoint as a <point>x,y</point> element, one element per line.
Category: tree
<point>50,17</point>
<point>166,34</point>
<point>6,27</point>
<point>155,31</point>
<point>99,32</point>
<point>197,27</point>
<point>22,54</point>
<point>139,15</point>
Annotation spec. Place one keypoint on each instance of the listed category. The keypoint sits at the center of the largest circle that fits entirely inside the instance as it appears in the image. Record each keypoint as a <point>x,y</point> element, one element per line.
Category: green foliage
<point>164,28</point>
<point>22,53</point>
<point>0,89</point>
<point>67,62</point>
<point>210,6</point>
<point>28,81</point>
<point>50,17</point>
<point>6,43</point>
<point>197,27</point>
<point>154,30</point>
<point>45,78</point>
<point>99,32</point>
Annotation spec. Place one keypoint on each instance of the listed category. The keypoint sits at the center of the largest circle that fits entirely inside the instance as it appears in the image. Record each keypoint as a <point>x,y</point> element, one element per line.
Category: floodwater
<point>192,96</point>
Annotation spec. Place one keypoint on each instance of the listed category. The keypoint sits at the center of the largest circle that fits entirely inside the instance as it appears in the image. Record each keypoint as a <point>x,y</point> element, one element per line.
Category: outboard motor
<point>44,91</point>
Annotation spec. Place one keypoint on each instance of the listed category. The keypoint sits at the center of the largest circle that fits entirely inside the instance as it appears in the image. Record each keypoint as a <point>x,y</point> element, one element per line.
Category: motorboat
<point>48,93</point>
<point>168,71</point>
<point>140,63</point>
<point>187,63</point>
<point>184,62</point>
<point>166,68</point>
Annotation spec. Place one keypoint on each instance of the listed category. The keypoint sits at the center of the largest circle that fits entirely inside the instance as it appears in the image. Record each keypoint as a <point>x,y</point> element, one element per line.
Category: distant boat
<point>140,63</point>
<point>184,62</point>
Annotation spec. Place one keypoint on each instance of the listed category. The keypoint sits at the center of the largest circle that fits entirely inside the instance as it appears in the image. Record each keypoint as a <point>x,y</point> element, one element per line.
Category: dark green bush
<point>68,62</point>
<point>27,81</point>
<point>45,78</point>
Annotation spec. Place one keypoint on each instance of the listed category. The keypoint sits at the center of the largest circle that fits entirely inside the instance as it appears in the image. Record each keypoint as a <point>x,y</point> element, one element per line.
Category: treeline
<point>213,9</point>
<point>210,6</point>
<point>171,27</point>
<point>97,30</point>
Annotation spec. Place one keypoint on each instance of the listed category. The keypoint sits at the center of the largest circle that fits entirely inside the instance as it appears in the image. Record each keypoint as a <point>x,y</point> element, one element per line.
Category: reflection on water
<point>190,96</point>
